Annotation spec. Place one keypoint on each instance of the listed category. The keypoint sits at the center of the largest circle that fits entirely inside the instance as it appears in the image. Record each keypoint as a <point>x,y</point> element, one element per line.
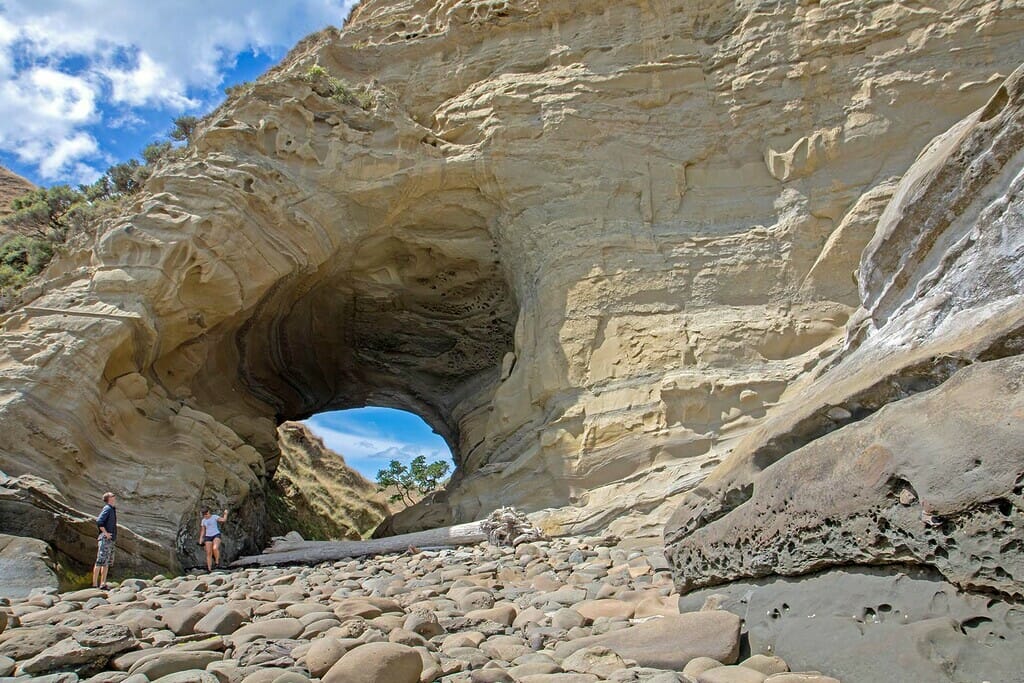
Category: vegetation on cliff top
<point>45,218</point>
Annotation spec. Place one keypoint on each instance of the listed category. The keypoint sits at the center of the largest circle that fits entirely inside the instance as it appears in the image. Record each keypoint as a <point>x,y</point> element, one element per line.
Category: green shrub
<point>337,89</point>
<point>21,258</point>
<point>184,128</point>
<point>315,72</point>
<point>418,476</point>
<point>237,89</point>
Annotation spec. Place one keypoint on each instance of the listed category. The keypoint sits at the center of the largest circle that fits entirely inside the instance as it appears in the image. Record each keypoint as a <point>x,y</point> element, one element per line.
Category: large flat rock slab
<point>25,565</point>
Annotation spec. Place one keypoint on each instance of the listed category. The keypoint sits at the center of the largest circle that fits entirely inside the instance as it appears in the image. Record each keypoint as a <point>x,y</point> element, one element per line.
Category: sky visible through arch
<point>369,438</point>
<point>85,84</point>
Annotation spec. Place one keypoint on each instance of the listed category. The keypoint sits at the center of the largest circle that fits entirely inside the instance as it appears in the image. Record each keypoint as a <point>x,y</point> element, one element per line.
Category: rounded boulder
<point>377,663</point>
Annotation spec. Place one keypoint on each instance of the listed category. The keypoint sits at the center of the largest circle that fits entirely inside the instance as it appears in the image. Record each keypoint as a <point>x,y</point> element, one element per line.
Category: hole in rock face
<point>417,320</point>
<point>370,438</point>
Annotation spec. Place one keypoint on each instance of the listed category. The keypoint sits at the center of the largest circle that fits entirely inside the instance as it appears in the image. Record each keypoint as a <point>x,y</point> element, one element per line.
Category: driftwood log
<point>313,552</point>
<point>504,527</point>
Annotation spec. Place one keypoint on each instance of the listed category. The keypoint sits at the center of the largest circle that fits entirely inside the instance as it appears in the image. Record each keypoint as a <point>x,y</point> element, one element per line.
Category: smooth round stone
<point>377,663</point>
<point>490,676</point>
<point>505,648</point>
<point>567,618</point>
<point>272,629</point>
<point>271,675</point>
<point>502,613</point>
<point>731,674</point>
<point>766,664</point>
<point>190,676</point>
<point>325,653</point>
<point>699,665</point>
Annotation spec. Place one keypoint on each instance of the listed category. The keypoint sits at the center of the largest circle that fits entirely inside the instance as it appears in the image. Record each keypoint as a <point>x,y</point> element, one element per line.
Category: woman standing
<point>209,536</point>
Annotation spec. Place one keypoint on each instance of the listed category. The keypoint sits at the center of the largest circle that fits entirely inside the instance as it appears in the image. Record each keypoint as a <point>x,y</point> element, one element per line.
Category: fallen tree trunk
<point>313,552</point>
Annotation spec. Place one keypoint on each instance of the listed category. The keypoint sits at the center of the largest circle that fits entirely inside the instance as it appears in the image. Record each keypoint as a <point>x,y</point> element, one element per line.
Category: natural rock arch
<point>655,208</point>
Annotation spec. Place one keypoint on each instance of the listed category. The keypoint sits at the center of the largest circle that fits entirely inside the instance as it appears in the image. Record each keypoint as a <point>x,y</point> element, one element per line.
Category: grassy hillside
<point>315,493</point>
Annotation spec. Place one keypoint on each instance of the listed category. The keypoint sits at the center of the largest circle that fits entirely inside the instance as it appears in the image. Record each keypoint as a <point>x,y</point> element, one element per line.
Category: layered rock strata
<point>905,449</point>
<point>594,246</point>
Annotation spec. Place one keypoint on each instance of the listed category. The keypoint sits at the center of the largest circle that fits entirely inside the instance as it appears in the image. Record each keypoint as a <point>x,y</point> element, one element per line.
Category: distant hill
<point>11,185</point>
<point>315,493</point>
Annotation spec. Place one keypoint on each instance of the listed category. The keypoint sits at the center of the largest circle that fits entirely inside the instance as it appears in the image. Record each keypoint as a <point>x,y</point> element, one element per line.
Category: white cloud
<point>42,113</point>
<point>354,445</point>
<point>63,63</point>
<point>148,83</point>
<point>65,153</point>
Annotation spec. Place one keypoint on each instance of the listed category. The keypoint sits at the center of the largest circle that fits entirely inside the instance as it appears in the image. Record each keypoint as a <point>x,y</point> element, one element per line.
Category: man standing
<point>107,525</point>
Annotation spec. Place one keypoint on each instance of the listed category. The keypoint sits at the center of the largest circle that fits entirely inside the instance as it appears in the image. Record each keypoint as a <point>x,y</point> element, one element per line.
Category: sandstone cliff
<point>315,493</point>
<point>595,246</point>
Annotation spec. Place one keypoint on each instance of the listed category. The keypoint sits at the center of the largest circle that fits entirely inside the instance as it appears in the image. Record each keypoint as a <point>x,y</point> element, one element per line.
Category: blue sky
<point>369,438</point>
<point>88,83</point>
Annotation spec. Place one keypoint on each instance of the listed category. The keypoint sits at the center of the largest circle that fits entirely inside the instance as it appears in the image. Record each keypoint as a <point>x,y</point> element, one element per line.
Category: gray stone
<point>670,642</point>
<point>731,674</point>
<point>24,643</point>
<point>25,565</point>
<point>221,619</point>
<point>767,665</point>
<point>325,652</point>
<point>167,662</point>
<point>88,650</point>
<point>699,665</point>
<point>596,660</point>
<point>877,610</point>
<point>190,676</point>
<point>286,627</point>
<point>181,619</point>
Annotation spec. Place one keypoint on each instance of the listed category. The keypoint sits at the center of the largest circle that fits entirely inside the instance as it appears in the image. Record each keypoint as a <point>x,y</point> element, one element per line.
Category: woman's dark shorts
<point>209,539</point>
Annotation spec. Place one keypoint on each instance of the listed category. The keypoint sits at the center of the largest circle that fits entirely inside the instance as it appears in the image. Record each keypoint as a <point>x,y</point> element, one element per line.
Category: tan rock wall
<point>904,447</point>
<point>655,208</point>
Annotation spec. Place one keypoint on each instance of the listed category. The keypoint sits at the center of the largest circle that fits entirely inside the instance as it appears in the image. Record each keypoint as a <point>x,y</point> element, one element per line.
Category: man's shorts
<point>105,553</point>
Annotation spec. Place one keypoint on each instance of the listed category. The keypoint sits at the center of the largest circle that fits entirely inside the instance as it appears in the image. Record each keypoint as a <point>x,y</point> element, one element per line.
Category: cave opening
<point>419,320</point>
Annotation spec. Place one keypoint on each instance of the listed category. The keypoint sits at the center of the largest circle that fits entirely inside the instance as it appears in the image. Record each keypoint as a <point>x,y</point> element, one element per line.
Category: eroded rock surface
<point>12,186</point>
<point>903,449</point>
<point>25,564</point>
<point>895,623</point>
<point>925,474</point>
<point>593,245</point>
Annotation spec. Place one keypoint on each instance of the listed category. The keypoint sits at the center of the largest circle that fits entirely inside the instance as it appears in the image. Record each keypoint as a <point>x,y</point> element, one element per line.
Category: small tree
<point>44,213</point>
<point>124,177</point>
<point>418,476</point>
<point>184,128</point>
<point>156,151</point>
